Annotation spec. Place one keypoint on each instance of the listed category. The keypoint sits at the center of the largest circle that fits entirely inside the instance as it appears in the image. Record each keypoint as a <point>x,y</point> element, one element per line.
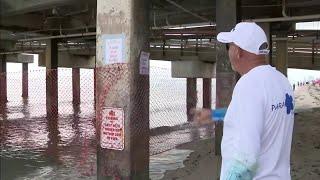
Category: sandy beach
<point>305,156</point>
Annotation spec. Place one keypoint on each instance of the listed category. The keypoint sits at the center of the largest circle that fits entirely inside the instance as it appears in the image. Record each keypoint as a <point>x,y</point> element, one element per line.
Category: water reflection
<point>25,108</point>
<point>46,147</point>
<point>3,118</point>
<point>54,138</point>
<point>3,111</point>
<point>65,147</point>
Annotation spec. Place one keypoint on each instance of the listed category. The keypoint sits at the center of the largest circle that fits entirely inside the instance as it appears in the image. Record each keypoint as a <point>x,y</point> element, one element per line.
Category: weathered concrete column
<point>122,33</point>
<point>95,87</point>
<point>281,62</point>
<point>267,29</point>
<point>271,59</point>
<point>25,80</point>
<point>191,96</point>
<point>76,86</point>
<point>206,86</point>
<point>51,55</point>
<point>3,80</point>
<point>227,15</point>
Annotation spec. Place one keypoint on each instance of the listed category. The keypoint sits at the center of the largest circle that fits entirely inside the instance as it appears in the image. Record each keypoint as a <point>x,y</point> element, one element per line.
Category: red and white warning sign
<point>112,129</point>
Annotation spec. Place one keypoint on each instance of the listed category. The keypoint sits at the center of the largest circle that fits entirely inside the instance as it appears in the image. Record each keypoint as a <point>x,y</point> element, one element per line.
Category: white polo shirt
<point>258,127</point>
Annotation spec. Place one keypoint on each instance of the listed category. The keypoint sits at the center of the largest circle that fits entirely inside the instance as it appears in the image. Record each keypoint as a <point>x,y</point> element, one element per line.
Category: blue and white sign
<point>114,48</point>
<point>144,63</point>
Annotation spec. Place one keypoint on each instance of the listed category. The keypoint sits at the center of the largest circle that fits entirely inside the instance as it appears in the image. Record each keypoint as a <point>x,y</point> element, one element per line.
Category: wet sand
<point>305,156</point>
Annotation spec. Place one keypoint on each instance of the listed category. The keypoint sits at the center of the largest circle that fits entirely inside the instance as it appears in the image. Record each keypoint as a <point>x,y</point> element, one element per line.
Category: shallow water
<point>169,160</point>
<point>39,151</point>
<point>35,147</point>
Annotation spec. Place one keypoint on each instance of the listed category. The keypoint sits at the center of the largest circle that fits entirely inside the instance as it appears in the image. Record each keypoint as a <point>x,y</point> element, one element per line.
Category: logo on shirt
<point>288,103</point>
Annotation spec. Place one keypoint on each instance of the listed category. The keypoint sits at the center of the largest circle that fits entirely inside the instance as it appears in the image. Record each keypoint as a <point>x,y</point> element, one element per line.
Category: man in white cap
<point>258,124</point>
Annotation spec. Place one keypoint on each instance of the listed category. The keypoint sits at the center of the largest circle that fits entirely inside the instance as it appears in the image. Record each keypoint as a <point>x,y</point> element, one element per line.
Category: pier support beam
<point>3,80</point>
<point>191,97</point>
<point>95,87</point>
<point>267,29</point>
<point>227,15</point>
<point>281,62</point>
<point>207,93</point>
<point>25,80</point>
<point>51,54</point>
<point>122,33</point>
<point>76,86</point>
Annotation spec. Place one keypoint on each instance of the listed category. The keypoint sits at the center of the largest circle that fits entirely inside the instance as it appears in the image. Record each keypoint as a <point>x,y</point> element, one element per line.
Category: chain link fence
<point>25,125</point>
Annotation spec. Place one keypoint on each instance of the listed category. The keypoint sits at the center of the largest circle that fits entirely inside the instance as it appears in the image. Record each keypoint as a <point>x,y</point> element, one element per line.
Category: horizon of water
<point>294,75</point>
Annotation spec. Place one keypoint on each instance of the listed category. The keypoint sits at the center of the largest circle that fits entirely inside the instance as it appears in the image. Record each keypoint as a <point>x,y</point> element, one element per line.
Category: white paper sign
<point>144,63</point>
<point>112,129</point>
<point>114,48</point>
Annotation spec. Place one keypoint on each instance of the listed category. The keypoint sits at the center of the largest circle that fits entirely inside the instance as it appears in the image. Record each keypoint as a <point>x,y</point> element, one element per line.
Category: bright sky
<point>315,25</point>
<point>294,75</point>
<point>17,67</point>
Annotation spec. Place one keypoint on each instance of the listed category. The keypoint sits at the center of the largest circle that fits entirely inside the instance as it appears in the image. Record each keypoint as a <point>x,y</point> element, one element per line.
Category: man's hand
<point>201,116</point>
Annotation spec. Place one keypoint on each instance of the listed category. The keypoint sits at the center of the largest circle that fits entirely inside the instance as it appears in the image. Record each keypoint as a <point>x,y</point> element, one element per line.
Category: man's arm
<point>206,116</point>
<point>247,120</point>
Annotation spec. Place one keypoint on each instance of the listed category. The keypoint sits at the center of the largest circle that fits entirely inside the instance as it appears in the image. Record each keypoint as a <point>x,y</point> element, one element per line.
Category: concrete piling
<point>25,80</point>
<point>126,24</point>
<point>51,54</point>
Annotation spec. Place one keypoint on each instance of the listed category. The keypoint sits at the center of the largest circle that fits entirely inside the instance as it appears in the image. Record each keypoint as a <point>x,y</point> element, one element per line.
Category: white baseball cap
<point>248,36</point>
